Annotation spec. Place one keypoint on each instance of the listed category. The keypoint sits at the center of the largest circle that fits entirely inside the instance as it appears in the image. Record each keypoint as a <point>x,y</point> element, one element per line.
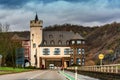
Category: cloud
<point>18,13</point>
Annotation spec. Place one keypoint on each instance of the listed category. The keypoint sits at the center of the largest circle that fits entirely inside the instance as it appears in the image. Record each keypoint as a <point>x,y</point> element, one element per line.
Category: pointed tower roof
<point>36,17</point>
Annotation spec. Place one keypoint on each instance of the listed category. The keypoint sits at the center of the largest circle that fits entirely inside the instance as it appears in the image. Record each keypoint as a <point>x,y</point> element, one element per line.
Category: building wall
<point>26,46</point>
<point>35,39</point>
<point>51,53</point>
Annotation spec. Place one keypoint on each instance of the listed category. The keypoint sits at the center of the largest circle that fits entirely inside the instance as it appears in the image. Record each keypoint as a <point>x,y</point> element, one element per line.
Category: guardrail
<point>112,68</point>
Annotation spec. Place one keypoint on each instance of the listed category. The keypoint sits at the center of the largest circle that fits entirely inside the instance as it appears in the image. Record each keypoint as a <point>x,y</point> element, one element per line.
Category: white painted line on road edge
<point>37,75</point>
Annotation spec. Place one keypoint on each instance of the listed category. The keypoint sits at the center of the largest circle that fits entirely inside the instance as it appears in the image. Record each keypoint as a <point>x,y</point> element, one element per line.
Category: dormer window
<point>34,45</point>
<point>45,42</point>
<point>60,42</point>
<point>52,42</point>
<point>78,42</point>
<point>67,42</point>
<point>73,42</point>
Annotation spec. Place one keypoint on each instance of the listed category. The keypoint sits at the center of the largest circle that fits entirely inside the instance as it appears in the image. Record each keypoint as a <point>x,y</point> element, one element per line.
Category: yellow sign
<point>101,56</point>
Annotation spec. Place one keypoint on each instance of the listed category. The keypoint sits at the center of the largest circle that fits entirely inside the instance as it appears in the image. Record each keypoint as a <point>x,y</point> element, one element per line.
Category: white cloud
<point>95,12</point>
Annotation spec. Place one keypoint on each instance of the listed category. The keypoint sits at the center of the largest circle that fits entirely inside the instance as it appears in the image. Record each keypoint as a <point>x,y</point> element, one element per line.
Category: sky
<point>18,13</point>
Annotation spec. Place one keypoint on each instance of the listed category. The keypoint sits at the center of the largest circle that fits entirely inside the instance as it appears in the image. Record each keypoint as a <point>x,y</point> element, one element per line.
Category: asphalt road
<point>34,75</point>
<point>42,75</point>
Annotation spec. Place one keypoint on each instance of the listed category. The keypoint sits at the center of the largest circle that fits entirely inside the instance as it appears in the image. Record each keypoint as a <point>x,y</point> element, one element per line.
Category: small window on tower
<point>34,45</point>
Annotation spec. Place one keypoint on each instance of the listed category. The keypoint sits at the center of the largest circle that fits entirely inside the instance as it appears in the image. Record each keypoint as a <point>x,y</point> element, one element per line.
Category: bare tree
<point>0,27</point>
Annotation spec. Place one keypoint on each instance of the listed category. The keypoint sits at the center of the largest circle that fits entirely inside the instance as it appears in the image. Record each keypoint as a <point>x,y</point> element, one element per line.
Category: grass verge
<point>8,70</point>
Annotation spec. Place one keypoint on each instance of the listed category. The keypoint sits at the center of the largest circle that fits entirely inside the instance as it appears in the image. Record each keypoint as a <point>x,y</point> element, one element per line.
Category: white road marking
<point>37,75</point>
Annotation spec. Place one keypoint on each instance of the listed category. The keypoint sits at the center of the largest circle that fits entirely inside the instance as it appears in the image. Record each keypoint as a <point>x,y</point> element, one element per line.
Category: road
<point>41,75</point>
<point>34,75</point>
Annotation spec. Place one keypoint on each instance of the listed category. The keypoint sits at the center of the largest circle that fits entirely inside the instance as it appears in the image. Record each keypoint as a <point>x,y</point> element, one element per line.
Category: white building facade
<point>54,47</point>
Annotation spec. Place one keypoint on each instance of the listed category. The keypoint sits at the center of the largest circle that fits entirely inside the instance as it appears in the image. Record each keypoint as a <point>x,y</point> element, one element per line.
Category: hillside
<point>103,40</point>
<point>82,30</point>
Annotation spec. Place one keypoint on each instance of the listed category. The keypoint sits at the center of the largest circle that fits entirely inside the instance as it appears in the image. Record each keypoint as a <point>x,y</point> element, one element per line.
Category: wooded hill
<point>100,39</point>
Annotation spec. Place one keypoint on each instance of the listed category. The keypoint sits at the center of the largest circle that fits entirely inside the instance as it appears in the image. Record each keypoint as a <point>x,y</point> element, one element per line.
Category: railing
<point>113,68</point>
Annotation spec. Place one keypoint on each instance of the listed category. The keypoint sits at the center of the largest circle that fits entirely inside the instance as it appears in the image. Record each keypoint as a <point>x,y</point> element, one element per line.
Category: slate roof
<point>59,36</point>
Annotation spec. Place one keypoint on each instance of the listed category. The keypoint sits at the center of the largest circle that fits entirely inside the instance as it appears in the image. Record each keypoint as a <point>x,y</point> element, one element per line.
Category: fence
<point>113,68</point>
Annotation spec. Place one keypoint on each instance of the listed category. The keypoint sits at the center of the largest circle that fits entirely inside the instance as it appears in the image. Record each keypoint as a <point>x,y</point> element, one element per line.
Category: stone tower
<point>35,40</point>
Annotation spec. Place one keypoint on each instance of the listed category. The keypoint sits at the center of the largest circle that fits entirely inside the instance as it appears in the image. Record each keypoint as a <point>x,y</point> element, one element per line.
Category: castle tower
<point>35,40</point>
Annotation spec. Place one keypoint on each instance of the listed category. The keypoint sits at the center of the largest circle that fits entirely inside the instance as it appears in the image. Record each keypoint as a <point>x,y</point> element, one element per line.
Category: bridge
<point>106,72</point>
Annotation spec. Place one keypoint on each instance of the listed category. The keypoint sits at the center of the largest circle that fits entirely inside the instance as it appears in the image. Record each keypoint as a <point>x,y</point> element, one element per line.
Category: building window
<point>60,42</point>
<point>52,42</point>
<point>73,42</point>
<point>32,36</point>
<point>83,60</point>
<point>67,51</point>
<point>34,45</point>
<point>71,61</point>
<point>78,42</point>
<point>67,42</point>
<point>83,42</point>
<point>83,51</point>
<point>83,63</point>
<point>57,51</point>
<point>46,51</point>
<point>78,61</point>
<point>71,51</point>
<point>45,42</point>
<point>79,51</point>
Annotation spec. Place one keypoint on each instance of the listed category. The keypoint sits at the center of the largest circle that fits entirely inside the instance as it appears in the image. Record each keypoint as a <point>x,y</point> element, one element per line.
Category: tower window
<point>34,45</point>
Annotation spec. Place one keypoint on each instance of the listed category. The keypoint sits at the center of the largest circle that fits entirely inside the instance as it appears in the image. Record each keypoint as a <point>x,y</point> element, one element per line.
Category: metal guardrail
<point>112,68</point>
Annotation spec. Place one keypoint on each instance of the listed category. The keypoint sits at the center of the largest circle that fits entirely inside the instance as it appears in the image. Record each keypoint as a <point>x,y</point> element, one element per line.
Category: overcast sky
<point>18,13</point>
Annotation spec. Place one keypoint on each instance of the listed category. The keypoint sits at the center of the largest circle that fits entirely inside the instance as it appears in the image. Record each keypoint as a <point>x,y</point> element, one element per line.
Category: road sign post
<point>101,56</point>
<point>75,73</point>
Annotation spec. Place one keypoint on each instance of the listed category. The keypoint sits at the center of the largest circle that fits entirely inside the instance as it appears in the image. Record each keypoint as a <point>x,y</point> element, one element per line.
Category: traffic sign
<point>101,56</point>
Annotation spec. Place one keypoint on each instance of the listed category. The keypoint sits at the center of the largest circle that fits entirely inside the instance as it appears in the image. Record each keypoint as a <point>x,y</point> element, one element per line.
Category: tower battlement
<point>34,23</point>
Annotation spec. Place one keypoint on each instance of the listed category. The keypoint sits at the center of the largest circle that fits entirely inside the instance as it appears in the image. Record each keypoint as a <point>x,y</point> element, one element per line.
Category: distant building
<point>56,48</point>
<point>24,42</point>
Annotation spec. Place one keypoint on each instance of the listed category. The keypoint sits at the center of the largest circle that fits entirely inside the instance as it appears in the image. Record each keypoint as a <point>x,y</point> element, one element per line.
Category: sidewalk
<point>71,75</point>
